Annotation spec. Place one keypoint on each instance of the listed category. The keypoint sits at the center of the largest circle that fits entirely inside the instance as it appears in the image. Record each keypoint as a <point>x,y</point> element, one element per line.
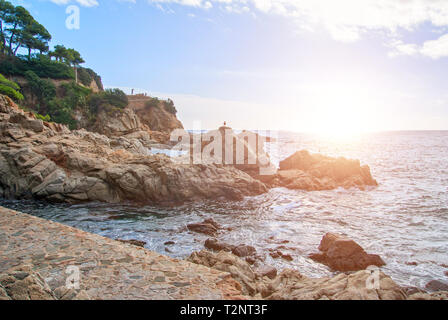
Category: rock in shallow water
<point>310,172</point>
<point>436,285</point>
<point>343,254</point>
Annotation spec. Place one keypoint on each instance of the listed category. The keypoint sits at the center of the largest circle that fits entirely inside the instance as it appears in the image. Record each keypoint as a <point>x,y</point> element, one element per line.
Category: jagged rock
<point>267,271</point>
<point>156,117</point>
<point>214,244</point>
<point>208,227</point>
<point>291,285</point>
<point>244,251</point>
<point>24,284</point>
<point>343,254</point>
<point>225,261</point>
<point>310,172</point>
<point>75,166</point>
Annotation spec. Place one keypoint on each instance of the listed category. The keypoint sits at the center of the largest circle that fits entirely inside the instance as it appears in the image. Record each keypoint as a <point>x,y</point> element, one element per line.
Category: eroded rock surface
<point>291,285</point>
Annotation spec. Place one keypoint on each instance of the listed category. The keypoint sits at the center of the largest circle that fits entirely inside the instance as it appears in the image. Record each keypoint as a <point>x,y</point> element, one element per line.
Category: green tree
<point>74,59</point>
<point>35,37</point>
<point>6,10</point>
<point>59,52</point>
<point>16,31</point>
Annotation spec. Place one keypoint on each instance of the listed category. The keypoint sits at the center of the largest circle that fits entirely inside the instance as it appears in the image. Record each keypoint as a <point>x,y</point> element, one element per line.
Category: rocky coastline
<point>44,260</point>
<point>47,161</point>
<point>114,162</point>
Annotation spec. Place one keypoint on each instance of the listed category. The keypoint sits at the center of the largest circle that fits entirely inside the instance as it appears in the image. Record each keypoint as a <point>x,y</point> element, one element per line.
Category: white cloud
<point>434,49</point>
<point>84,3</point>
<point>345,20</point>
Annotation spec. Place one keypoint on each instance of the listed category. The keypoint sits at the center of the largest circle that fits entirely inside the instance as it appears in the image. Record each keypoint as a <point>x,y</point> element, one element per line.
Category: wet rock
<point>244,251</point>
<point>287,257</point>
<point>267,271</point>
<point>214,244</point>
<point>208,227</point>
<point>446,273</point>
<point>169,243</point>
<point>134,242</point>
<point>436,285</point>
<point>343,254</point>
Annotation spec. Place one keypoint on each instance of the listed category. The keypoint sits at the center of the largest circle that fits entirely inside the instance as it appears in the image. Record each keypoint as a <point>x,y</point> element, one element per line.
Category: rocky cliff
<point>154,113</point>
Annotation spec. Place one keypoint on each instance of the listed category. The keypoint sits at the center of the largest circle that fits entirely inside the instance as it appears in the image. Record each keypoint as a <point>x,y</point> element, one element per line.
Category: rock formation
<point>343,254</point>
<point>156,117</point>
<point>291,285</point>
<point>47,161</point>
<point>309,172</point>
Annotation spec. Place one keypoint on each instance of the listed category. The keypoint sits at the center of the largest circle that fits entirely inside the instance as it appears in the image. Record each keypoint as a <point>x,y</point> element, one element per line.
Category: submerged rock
<point>436,285</point>
<point>343,254</point>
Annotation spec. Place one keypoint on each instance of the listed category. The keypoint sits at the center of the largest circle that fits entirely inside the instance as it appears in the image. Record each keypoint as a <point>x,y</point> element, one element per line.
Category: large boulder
<point>306,171</point>
<point>343,254</point>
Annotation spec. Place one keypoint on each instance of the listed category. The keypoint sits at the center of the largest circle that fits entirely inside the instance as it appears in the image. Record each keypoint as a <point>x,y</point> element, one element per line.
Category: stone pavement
<point>108,269</point>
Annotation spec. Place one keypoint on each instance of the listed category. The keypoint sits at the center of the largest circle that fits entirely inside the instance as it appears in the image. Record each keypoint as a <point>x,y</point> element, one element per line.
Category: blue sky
<point>302,65</point>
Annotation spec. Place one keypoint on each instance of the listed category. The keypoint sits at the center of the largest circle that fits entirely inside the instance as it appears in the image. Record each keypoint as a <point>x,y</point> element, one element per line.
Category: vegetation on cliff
<point>52,83</point>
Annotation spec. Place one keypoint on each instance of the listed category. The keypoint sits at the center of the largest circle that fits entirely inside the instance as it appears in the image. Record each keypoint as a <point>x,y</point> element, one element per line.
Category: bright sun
<point>342,112</point>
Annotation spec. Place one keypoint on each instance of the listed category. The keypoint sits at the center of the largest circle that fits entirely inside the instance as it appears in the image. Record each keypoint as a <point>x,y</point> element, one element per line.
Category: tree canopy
<point>18,29</point>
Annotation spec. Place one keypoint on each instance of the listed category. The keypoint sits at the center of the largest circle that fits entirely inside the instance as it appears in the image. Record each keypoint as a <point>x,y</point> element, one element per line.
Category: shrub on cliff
<point>168,105</point>
<point>110,97</point>
<point>10,88</point>
<point>73,97</point>
<point>42,89</point>
<point>86,76</point>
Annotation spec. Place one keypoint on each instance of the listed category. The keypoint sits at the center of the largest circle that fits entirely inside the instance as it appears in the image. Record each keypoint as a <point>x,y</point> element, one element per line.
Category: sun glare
<point>342,112</point>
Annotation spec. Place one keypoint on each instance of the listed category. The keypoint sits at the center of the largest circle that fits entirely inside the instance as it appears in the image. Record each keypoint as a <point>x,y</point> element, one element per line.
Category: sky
<point>337,66</point>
